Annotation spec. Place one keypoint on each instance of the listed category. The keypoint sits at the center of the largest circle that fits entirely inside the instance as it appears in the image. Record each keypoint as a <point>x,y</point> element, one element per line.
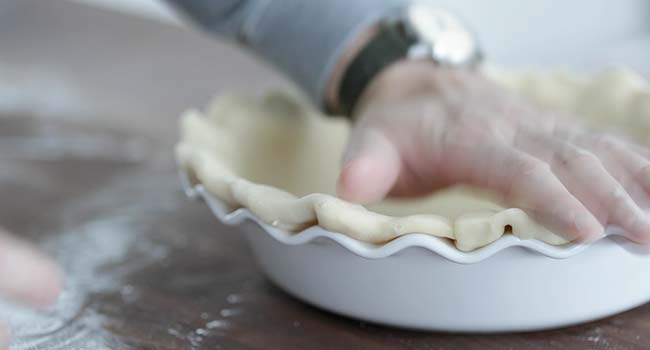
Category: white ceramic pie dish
<point>454,261</point>
<point>424,282</point>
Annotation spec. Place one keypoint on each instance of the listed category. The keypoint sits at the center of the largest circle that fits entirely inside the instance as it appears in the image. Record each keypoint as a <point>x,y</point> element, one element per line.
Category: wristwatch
<point>418,31</point>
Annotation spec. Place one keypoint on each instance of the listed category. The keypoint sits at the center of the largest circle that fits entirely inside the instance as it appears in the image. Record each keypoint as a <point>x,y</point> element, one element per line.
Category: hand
<point>420,128</point>
<point>26,276</point>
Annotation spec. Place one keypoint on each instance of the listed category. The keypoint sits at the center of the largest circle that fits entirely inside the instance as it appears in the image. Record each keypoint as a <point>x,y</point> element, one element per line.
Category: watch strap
<point>389,45</point>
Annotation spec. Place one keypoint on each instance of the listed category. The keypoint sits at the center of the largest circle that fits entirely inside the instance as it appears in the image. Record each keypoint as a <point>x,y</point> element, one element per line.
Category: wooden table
<point>87,172</point>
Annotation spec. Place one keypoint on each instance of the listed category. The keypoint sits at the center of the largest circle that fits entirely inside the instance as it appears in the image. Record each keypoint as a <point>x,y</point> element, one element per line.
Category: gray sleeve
<point>303,38</point>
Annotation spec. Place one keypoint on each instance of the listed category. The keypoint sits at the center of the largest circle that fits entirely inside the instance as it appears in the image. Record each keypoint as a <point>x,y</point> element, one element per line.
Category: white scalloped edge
<point>440,246</point>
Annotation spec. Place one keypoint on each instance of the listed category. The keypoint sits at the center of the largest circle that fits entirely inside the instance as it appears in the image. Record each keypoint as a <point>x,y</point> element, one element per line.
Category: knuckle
<point>578,157</point>
<point>606,142</point>
<point>530,166</point>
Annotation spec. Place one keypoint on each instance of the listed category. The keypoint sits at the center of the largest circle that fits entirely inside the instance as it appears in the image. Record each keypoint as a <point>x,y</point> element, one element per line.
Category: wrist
<point>417,31</point>
<point>408,79</point>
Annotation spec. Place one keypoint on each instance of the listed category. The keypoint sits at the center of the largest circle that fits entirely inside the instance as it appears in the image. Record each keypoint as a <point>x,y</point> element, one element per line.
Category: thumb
<point>371,165</point>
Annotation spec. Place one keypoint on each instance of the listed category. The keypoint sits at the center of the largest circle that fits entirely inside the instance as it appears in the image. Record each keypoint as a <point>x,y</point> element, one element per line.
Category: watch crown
<point>448,39</point>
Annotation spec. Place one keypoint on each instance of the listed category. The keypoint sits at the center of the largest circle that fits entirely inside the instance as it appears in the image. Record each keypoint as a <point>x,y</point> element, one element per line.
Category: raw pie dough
<point>279,158</point>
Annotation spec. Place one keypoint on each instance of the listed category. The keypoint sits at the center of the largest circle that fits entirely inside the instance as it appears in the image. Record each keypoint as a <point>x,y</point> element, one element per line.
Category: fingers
<point>586,177</point>
<point>371,165</point>
<point>634,163</point>
<point>631,170</point>
<point>627,166</point>
<point>26,275</point>
<point>529,183</point>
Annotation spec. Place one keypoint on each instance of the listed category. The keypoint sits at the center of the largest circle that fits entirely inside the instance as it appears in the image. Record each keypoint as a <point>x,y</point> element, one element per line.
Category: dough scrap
<point>279,158</point>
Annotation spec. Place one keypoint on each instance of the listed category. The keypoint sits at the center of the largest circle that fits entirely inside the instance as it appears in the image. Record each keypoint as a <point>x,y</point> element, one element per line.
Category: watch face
<point>448,40</point>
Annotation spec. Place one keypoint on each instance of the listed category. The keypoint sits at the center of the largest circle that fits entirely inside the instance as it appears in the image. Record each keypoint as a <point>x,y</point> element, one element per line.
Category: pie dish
<point>454,261</point>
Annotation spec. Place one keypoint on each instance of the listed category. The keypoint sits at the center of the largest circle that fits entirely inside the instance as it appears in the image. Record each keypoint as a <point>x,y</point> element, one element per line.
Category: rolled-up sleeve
<point>302,38</point>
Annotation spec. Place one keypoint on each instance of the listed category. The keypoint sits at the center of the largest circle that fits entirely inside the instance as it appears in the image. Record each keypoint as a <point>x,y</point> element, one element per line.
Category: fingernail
<point>641,234</point>
<point>588,228</point>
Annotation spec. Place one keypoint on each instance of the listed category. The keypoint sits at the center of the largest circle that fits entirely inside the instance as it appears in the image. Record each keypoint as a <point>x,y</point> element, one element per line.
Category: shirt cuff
<point>305,39</point>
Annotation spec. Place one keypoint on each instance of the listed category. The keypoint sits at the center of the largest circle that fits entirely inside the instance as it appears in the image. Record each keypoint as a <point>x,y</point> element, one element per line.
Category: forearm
<point>304,39</point>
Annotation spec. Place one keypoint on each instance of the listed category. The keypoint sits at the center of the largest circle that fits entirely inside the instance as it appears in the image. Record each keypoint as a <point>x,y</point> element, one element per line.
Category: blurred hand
<point>4,337</point>
<point>26,276</point>
<point>420,128</point>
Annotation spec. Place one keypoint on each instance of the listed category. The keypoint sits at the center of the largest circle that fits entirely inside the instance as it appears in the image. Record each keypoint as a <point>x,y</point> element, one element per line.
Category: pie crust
<point>280,158</point>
